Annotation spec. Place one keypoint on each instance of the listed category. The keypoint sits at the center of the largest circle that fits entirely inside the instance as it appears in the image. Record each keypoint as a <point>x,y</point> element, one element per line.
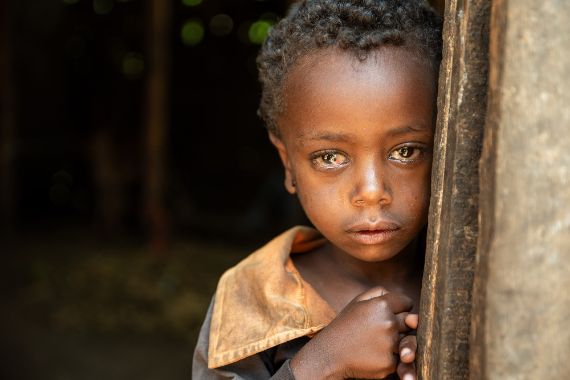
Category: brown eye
<point>329,160</point>
<point>405,154</point>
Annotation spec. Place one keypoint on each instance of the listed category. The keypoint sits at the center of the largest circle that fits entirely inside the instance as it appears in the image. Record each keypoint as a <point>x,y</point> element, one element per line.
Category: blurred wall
<point>75,103</point>
<point>77,146</point>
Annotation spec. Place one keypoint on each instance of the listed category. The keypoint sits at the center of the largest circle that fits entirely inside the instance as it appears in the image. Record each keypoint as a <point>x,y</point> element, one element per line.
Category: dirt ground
<point>76,309</point>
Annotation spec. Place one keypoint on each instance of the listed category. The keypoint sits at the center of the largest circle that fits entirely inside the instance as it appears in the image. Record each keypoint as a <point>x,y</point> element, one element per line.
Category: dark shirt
<point>269,364</point>
<point>262,315</point>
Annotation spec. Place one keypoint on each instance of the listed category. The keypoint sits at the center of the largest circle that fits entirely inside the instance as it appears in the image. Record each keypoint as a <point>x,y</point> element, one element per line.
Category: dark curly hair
<point>358,26</point>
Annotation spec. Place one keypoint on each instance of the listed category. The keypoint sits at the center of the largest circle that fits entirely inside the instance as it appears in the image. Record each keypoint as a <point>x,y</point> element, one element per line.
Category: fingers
<point>411,321</point>
<point>406,322</point>
<point>401,322</point>
<point>397,303</point>
<point>408,347</point>
<point>407,371</point>
<point>376,291</point>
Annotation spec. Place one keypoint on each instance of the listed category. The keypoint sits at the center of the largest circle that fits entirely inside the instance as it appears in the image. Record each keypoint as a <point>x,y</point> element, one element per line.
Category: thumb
<point>374,292</point>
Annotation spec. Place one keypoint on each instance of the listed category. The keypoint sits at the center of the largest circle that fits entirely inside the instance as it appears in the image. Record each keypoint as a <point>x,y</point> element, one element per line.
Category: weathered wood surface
<point>452,234</point>
<point>522,293</point>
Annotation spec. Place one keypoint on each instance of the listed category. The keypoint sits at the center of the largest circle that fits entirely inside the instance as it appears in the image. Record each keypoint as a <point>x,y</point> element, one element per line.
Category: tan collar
<point>263,301</point>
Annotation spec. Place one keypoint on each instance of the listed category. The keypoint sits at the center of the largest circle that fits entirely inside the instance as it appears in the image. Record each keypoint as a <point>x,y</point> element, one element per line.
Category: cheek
<point>415,196</point>
<point>319,199</point>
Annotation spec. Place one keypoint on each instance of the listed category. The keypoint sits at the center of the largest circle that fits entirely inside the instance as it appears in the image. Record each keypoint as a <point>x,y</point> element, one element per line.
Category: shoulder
<point>268,264</point>
<point>260,302</point>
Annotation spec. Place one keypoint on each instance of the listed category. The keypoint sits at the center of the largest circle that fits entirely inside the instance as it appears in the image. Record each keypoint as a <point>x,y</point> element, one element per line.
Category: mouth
<point>373,233</point>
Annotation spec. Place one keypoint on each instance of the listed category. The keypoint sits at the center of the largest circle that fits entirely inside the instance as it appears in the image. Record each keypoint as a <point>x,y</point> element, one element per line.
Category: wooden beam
<point>522,297</point>
<point>445,311</point>
<point>438,5</point>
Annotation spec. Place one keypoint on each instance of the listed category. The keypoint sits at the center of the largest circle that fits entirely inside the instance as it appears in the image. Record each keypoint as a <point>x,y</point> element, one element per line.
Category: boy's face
<point>357,138</point>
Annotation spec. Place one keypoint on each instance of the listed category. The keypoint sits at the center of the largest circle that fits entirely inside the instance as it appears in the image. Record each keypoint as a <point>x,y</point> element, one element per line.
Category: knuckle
<point>401,370</point>
<point>390,325</point>
<point>412,344</point>
<point>382,304</point>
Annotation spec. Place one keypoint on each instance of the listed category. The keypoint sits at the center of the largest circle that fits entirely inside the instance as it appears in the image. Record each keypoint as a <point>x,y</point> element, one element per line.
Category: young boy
<point>349,89</point>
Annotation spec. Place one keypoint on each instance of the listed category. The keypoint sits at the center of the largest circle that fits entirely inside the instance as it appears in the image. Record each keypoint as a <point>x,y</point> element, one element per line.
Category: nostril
<point>372,194</point>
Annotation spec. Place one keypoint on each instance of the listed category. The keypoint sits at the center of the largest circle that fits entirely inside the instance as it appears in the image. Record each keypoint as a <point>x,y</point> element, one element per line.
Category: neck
<point>402,269</point>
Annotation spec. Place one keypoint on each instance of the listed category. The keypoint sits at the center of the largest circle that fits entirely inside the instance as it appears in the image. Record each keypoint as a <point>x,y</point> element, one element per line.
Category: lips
<point>373,233</point>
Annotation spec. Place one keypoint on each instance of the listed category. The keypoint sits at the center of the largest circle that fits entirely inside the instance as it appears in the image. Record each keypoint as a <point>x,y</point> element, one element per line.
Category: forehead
<point>387,63</point>
<point>333,87</point>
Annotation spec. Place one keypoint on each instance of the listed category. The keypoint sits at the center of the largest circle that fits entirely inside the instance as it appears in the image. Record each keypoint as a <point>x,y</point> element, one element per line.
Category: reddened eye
<point>329,159</point>
<point>405,153</point>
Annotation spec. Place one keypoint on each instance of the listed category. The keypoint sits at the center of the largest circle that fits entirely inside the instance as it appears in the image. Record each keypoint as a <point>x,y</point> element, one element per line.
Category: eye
<point>406,153</point>
<point>330,159</point>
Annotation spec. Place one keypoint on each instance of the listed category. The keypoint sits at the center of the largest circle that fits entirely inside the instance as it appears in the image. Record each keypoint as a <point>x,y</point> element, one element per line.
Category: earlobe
<point>290,183</point>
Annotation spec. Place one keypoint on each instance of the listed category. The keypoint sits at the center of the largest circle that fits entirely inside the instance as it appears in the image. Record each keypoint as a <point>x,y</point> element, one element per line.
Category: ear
<point>282,150</point>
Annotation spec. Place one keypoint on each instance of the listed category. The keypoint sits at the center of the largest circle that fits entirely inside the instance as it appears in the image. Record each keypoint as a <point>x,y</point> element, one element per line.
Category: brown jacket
<point>262,314</point>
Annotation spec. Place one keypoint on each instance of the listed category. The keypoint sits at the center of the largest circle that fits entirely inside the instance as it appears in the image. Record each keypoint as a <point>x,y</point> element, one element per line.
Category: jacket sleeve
<point>257,367</point>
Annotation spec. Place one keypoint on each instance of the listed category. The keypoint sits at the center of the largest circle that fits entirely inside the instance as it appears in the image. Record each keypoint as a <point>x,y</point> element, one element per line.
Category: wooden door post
<point>445,310</point>
<point>522,294</point>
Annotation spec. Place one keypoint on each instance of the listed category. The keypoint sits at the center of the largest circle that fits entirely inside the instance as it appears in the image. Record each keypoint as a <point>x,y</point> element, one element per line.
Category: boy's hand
<point>408,346</point>
<point>363,341</point>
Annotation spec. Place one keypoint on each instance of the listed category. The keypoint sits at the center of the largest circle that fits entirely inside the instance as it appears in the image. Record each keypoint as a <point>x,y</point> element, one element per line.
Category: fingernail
<point>405,352</point>
<point>408,376</point>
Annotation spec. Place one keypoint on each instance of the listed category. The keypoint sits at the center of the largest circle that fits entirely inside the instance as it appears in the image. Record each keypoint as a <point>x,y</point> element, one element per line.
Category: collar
<point>263,301</point>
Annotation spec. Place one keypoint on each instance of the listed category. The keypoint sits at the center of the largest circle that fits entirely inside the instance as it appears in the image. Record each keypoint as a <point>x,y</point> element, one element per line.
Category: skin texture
<point>356,143</point>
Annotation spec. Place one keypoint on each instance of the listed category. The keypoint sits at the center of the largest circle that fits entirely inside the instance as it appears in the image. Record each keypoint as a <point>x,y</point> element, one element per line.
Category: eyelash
<point>315,157</point>
<point>414,148</point>
<point>318,158</point>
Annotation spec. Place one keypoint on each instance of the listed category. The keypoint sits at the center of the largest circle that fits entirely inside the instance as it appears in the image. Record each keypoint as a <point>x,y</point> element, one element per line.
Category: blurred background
<point>133,172</point>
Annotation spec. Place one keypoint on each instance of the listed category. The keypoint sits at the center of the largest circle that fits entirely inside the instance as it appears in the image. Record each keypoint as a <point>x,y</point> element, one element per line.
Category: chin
<point>373,253</point>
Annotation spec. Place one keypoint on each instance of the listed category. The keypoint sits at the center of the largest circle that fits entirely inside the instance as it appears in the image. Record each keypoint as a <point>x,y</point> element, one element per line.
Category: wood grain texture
<point>453,228</point>
<point>521,297</point>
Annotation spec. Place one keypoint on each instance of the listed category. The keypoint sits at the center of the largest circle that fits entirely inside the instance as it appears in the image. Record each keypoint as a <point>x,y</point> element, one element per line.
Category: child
<point>349,89</point>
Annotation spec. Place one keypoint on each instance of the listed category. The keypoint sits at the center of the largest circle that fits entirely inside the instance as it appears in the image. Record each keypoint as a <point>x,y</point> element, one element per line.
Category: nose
<point>371,186</point>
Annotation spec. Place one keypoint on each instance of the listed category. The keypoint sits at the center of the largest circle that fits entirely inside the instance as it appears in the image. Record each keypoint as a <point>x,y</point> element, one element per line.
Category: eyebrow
<point>408,129</point>
<point>344,137</point>
<point>334,137</point>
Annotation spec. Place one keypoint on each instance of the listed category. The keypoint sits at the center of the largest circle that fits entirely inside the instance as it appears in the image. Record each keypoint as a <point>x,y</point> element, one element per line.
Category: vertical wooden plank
<point>452,232</point>
<point>522,297</point>
<point>157,120</point>
<point>438,5</point>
